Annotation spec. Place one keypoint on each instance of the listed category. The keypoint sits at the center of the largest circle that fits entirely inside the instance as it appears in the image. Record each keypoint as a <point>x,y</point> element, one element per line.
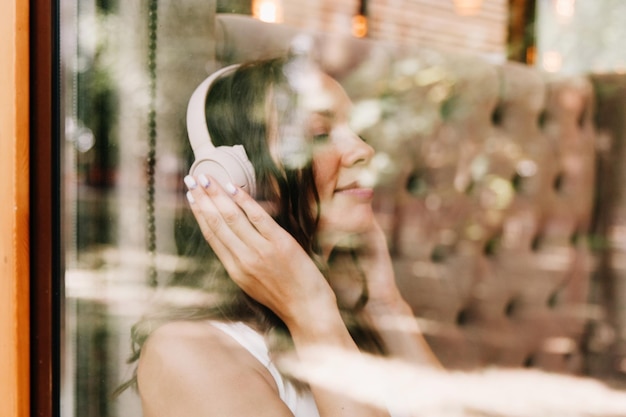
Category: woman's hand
<point>386,310</point>
<point>259,255</point>
<point>375,262</point>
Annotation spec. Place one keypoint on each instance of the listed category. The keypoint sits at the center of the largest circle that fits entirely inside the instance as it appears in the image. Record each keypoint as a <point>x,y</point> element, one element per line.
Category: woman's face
<point>340,160</point>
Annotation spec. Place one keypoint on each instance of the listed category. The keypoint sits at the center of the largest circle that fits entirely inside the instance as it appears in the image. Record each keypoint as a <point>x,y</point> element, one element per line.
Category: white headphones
<point>223,163</point>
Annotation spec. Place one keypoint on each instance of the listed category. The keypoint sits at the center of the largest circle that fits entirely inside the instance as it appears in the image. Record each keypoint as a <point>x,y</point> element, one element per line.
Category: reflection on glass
<point>474,202</point>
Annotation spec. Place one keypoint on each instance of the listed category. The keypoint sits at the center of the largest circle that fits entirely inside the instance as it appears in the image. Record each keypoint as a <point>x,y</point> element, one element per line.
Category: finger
<point>222,252</point>
<point>216,230</point>
<point>256,213</point>
<point>225,199</point>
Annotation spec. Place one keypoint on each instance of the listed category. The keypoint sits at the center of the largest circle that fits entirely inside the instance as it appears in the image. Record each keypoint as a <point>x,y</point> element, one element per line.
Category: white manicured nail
<point>190,182</point>
<point>190,198</point>
<point>204,181</point>
<point>230,188</point>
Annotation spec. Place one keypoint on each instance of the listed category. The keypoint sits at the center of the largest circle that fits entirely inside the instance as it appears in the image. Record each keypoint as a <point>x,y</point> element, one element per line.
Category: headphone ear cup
<point>226,164</point>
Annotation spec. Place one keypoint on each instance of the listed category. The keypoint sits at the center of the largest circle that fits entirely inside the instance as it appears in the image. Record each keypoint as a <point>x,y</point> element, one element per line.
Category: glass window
<point>483,203</point>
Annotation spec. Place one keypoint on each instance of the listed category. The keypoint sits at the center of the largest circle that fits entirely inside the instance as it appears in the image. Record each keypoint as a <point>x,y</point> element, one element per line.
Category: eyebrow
<point>325,113</point>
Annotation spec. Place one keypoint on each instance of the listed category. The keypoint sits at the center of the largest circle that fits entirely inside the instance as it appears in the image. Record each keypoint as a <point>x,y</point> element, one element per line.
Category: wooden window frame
<point>46,292</point>
<point>30,257</point>
<point>14,211</point>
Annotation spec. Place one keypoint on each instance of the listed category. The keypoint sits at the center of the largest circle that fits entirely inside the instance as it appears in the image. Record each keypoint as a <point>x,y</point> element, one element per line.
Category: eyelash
<point>321,137</point>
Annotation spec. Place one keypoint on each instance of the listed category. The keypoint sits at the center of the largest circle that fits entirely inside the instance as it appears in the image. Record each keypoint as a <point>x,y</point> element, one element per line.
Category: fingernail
<point>204,181</point>
<point>231,189</point>
<point>190,197</point>
<point>190,182</point>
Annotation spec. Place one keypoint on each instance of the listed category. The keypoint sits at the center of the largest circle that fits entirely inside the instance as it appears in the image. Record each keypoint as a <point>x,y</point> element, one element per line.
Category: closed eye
<point>321,137</point>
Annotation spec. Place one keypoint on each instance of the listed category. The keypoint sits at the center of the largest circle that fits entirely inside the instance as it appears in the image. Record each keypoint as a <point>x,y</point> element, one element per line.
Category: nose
<point>355,150</point>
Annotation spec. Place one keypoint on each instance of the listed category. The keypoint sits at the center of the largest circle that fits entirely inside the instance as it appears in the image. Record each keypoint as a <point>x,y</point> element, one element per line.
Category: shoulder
<point>188,336</point>
<point>193,367</point>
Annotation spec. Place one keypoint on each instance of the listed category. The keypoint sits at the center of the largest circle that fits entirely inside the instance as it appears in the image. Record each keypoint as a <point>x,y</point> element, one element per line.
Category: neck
<point>332,240</point>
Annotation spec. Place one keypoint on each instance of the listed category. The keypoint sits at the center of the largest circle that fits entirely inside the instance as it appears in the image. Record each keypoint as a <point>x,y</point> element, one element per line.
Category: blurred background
<point>122,163</point>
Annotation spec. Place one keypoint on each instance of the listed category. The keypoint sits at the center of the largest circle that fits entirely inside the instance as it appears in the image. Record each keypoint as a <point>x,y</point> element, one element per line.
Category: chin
<point>341,230</point>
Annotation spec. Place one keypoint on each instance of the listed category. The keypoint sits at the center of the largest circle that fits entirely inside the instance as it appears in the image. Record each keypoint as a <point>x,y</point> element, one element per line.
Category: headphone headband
<point>197,129</point>
<point>225,164</point>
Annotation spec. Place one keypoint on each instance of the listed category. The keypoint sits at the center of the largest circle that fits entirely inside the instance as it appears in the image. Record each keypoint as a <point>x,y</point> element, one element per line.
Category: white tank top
<point>301,403</point>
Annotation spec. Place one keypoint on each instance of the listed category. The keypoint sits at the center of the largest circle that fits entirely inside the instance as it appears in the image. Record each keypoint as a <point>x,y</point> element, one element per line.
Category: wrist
<point>390,305</point>
<point>312,316</point>
<point>324,328</point>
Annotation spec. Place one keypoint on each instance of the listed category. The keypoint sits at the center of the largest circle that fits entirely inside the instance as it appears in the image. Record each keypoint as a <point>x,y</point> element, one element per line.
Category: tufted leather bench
<point>486,191</point>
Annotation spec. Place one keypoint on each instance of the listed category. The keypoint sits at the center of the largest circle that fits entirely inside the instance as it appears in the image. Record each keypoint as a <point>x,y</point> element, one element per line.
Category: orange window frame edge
<point>14,212</point>
<point>29,279</point>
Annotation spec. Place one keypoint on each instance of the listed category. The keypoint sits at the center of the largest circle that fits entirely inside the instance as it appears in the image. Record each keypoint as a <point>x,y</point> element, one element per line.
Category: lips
<point>350,186</point>
<point>354,189</point>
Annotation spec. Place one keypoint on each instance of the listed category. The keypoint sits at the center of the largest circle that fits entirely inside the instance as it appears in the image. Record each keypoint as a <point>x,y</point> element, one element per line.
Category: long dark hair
<point>238,108</point>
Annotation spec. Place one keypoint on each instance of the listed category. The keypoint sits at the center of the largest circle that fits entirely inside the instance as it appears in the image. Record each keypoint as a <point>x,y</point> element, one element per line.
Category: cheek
<point>325,170</point>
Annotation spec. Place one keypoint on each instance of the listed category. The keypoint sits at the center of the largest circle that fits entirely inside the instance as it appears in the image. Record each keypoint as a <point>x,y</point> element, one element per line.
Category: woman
<point>310,265</point>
